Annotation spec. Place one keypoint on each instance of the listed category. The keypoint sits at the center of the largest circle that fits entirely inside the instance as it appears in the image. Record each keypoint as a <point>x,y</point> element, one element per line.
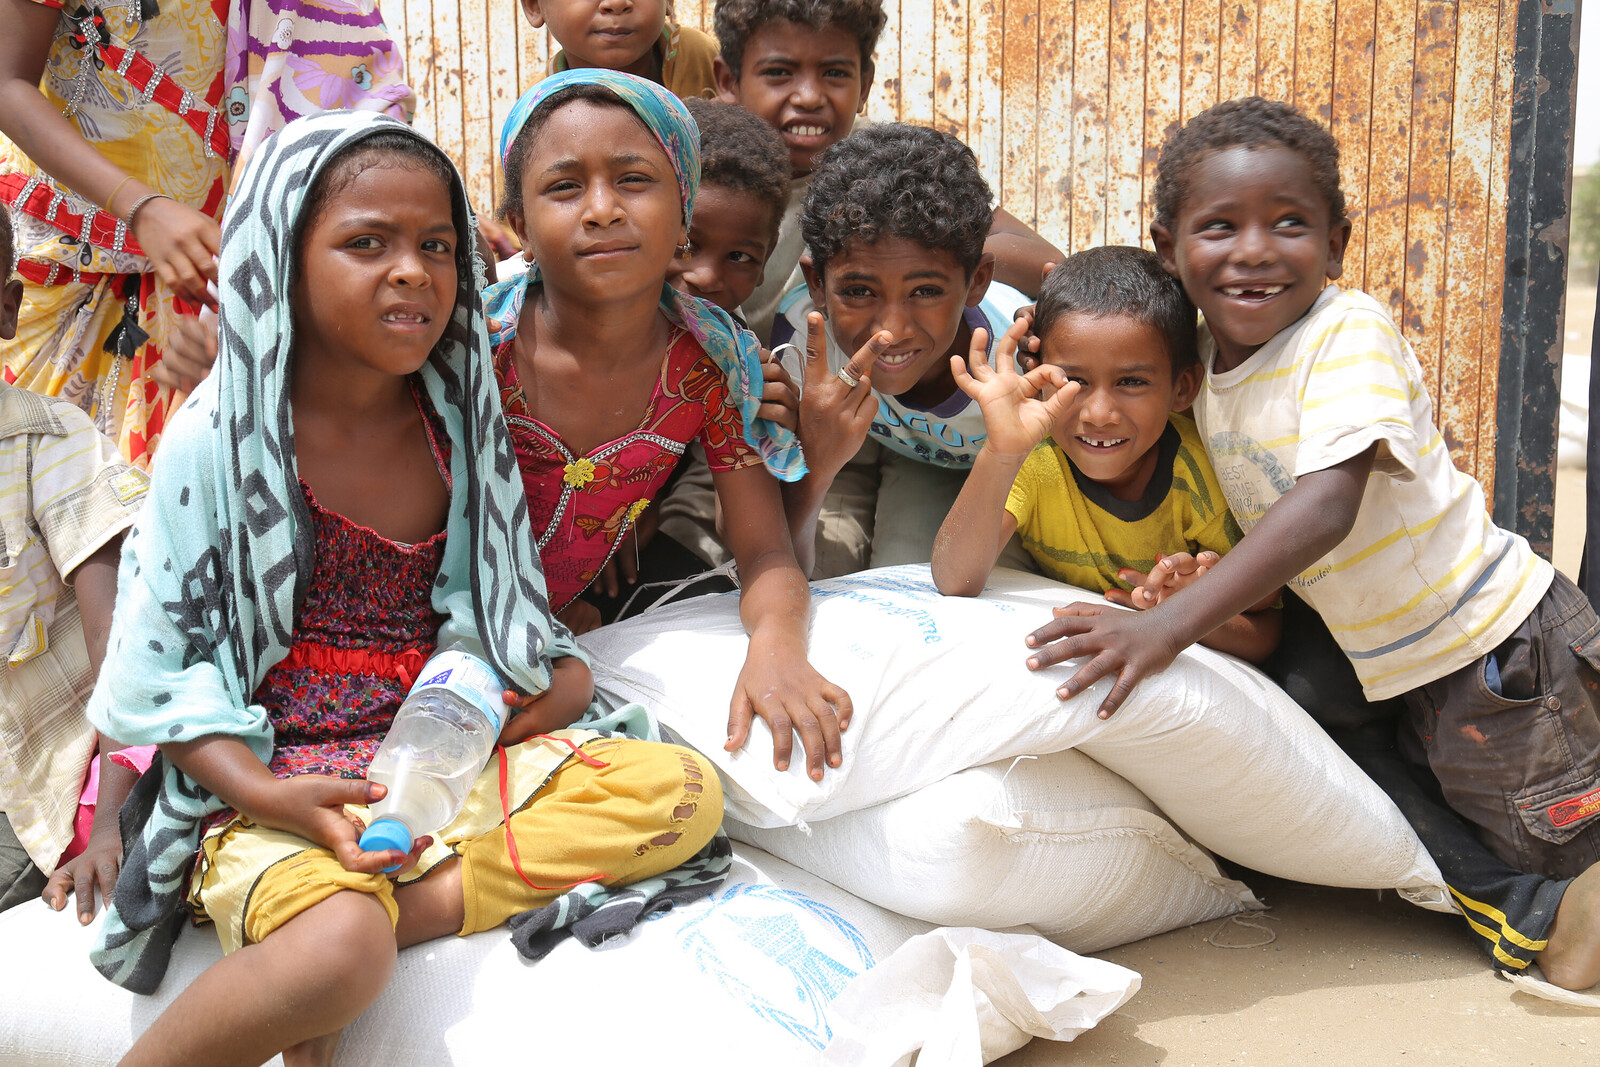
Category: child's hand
<point>313,806</point>
<point>182,245</point>
<point>190,353</point>
<point>570,693</point>
<point>1028,350</point>
<point>1131,645</point>
<point>835,415</point>
<point>780,400</point>
<point>580,617</point>
<point>98,864</point>
<point>1014,417</point>
<point>792,697</point>
<point>1170,574</point>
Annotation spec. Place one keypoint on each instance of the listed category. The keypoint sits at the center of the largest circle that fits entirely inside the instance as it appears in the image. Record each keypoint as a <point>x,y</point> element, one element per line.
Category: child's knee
<point>295,885</point>
<point>682,802</point>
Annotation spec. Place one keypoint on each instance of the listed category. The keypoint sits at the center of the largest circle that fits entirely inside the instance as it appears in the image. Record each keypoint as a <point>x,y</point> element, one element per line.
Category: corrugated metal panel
<point>1066,104</point>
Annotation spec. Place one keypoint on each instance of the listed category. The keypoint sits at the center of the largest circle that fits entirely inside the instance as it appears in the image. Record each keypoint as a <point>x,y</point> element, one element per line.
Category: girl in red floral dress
<point>606,373</point>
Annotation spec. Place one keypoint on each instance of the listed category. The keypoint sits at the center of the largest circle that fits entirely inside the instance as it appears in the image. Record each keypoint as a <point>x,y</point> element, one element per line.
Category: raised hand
<point>836,414</point>
<point>780,400</point>
<point>1016,412</point>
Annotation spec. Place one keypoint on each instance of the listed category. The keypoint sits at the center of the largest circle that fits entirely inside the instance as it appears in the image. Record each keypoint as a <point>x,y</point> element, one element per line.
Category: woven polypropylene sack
<point>939,685</point>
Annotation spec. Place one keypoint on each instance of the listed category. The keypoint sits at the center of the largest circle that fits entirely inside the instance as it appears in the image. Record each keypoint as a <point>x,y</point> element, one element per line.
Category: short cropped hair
<point>896,180</point>
<point>1252,122</point>
<point>738,151</point>
<point>1119,280</point>
<point>736,20</point>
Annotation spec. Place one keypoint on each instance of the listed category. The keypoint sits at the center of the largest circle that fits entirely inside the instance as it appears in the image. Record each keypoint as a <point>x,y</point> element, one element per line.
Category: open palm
<point>1019,410</point>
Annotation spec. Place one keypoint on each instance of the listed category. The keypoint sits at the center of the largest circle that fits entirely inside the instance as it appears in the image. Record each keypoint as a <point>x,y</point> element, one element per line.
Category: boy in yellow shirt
<point>1103,479</point>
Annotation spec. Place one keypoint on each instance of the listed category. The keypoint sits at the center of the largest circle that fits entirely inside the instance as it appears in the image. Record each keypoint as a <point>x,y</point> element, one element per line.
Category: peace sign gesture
<point>1019,410</point>
<point>836,407</point>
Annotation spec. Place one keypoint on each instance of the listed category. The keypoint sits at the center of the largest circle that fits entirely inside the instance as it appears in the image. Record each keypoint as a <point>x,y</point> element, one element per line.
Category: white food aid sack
<point>778,967</point>
<point>939,685</point>
<point>1057,843</point>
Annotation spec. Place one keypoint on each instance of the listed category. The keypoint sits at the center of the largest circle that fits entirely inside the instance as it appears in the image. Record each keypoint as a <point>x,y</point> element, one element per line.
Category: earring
<point>685,250</point>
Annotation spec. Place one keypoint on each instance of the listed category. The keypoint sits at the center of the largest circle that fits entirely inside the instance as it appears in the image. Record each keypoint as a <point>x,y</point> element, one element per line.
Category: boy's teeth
<point>808,131</point>
<point>1093,442</point>
<point>1264,290</point>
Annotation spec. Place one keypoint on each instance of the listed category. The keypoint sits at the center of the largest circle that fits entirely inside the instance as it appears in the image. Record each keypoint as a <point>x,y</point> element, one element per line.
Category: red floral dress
<point>583,505</point>
<point>363,632</point>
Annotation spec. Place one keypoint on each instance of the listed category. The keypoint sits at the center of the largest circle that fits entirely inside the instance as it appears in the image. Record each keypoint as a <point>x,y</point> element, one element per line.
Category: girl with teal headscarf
<point>607,373</point>
<point>333,504</point>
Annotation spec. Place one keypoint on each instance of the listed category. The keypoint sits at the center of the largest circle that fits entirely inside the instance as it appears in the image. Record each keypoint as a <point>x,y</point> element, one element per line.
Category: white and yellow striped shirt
<point>1425,583</point>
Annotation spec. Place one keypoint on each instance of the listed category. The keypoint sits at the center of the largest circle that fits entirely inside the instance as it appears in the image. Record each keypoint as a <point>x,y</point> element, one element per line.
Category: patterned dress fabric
<point>584,505</point>
<point>223,551</point>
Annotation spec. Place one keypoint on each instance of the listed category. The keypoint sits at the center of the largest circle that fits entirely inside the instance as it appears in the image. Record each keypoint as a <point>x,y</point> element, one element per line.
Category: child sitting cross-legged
<point>335,502</point>
<point>637,37</point>
<point>1087,456</point>
<point>1316,414</point>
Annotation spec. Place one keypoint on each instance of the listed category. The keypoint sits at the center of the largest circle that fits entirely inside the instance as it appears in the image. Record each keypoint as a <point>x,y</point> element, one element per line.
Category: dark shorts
<point>1521,760</point>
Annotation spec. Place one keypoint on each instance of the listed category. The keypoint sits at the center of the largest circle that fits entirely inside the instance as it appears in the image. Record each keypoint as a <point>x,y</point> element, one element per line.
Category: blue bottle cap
<point>387,834</point>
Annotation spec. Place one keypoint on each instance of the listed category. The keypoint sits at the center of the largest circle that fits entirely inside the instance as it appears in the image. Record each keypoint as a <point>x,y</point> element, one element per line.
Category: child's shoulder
<point>25,412</point>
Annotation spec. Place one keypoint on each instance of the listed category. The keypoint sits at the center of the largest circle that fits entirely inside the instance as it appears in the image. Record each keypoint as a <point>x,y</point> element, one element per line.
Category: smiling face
<point>1253,243</point>
<point>600,212</point>
<point>615,34</point>
<point>806,83</point>
<point>729,241</point>
<point>1126,390</point>
<point>376,278</point>
<point>918,294</point>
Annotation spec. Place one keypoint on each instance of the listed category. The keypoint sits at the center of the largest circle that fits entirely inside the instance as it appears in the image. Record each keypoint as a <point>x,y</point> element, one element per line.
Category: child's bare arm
<point>835,417</point>
<point>310,805</point>
<point>777,682</point>
<point>1304,525</point>
<point>1251,635</point>
<point>1021,256</point>
<point>179,240</point>
<point>94,582</point>
<point>569,696</point>
<point>1014,420</point>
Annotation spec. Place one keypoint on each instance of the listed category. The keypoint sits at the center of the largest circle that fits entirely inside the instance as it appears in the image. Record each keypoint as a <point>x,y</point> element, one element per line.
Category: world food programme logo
<point>760,942</point>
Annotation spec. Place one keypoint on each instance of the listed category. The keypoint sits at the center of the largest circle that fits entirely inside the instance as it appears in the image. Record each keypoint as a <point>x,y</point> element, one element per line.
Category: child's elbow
<point>954,584</point>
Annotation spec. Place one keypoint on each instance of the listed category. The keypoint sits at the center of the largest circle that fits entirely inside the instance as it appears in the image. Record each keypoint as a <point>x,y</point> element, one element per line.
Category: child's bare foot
<point>318,1052</point>
<point>1571,958</point>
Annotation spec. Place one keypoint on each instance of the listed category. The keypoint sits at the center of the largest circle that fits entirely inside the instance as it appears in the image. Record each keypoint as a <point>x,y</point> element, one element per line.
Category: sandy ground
<point>1350,977</point>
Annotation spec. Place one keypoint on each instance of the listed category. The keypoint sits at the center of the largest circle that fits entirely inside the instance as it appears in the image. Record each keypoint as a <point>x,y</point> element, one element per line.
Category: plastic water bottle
<point>440,741</point>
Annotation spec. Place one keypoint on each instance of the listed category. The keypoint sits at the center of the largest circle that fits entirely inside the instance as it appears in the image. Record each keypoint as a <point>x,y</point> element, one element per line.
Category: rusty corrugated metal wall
<point>1066,104</point>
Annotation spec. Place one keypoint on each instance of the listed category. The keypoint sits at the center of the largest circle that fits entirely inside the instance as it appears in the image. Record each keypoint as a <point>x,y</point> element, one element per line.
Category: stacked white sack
<point>939,686</point>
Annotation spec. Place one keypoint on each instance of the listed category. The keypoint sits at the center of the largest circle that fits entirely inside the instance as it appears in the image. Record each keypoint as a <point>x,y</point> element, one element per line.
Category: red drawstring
<point>511,840</point>
<point>576,750</point>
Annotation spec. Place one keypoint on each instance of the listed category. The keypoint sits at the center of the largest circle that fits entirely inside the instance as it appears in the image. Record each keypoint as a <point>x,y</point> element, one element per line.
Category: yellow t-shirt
<point>1080,534</point>
<point>686,54</point>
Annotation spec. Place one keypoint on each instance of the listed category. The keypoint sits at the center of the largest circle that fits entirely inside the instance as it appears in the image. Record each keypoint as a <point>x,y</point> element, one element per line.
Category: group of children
<point>411,460</point>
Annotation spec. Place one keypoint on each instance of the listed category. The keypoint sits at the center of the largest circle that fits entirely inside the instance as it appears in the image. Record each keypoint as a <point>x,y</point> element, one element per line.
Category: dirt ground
<point>1349,978</point>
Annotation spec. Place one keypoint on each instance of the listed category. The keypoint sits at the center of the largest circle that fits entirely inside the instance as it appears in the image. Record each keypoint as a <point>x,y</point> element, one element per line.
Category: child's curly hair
<point>1252,122</point>
<point>735,21</point>
<point>1121,280</point>
<point>896,180</point>
<point>740,152</point>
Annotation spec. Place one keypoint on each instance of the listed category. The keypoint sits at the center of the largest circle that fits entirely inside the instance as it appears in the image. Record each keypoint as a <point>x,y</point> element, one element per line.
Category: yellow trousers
<point>647,810</point>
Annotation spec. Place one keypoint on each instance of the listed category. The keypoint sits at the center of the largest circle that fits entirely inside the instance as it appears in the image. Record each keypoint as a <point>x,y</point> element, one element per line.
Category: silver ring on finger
<point>844,375</point>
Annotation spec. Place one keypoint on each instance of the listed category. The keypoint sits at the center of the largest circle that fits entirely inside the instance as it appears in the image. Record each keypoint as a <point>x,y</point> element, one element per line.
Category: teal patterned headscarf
<point>733,348</point>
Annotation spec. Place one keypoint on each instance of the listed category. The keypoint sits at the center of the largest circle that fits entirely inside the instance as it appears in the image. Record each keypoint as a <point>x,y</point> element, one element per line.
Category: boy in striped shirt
<point>1317,422</point>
